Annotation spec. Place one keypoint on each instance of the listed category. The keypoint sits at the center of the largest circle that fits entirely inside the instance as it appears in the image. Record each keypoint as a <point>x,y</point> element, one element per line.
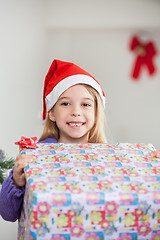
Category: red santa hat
<point>60,77</point>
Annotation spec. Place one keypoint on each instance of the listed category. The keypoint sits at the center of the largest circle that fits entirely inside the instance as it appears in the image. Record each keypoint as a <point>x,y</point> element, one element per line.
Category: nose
<point>76,111</point>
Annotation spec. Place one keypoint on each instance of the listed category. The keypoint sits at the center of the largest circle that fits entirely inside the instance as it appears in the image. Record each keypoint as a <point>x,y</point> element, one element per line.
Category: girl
<point>74,101</point>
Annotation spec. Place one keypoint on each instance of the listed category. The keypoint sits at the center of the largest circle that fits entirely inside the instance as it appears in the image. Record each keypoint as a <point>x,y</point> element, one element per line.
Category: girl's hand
<point>155,154</point>
<point>18,172</point>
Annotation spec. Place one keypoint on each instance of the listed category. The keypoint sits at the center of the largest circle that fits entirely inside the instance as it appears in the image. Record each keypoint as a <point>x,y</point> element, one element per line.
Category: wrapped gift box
<point>91,191</point>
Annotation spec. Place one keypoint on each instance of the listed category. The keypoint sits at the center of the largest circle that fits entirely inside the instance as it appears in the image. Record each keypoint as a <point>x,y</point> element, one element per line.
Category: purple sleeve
<point>11,199</point>
<point>49,140</point>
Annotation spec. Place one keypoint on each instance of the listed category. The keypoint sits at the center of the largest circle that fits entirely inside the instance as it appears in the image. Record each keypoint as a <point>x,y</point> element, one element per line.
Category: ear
<point>51,115</point>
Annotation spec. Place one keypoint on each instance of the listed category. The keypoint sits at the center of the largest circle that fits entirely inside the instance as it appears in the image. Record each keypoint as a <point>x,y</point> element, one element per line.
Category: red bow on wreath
<point>144,56</point>
<point>27,142</point>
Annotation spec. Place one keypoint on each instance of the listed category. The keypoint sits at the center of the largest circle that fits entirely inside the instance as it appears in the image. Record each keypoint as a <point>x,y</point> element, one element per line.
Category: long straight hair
<point>97,133</point>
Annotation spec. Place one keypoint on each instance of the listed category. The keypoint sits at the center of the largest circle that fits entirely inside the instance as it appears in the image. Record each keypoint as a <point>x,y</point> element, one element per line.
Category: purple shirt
<point>11,197</point>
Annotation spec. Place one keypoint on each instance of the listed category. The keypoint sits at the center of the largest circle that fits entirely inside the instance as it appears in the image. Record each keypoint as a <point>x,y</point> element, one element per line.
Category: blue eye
<point>86,105</point>
<point>65,104</point>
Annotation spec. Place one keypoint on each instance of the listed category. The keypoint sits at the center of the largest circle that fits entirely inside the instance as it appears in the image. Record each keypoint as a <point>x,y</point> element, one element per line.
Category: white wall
<point>22,54</point>
<point>95,35</point>
<point>103,13</point>
<point>22,57</point>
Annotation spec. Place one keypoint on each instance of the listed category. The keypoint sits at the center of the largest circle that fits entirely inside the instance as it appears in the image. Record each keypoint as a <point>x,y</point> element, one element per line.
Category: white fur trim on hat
<point>64,84</point>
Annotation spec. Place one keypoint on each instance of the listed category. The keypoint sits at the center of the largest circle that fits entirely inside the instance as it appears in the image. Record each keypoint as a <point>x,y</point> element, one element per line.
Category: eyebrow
<point>62,98</point>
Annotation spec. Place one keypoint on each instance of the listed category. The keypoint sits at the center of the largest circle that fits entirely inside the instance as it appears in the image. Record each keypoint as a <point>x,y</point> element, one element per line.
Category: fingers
<point>155,154</point>
<point>21,164</point>
<point>18,171</point>
<point>152,153</point>
<point>22,161</point>
<point>24,157</point>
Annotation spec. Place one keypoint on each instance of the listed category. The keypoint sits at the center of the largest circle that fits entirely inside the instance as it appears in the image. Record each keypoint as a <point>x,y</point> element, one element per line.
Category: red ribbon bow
<point>27,142</point>
<point>145,54</point>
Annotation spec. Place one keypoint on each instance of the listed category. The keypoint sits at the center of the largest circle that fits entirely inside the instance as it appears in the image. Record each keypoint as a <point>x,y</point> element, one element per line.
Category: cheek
<point>92,116</point>
<point>60,117</point>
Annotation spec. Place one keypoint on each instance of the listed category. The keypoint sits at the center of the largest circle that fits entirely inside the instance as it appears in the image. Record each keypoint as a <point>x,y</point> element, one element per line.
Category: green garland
<point>5,164</point>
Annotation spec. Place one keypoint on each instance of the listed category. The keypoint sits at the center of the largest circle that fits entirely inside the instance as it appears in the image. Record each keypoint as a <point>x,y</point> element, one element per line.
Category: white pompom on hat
<point>60,77</point>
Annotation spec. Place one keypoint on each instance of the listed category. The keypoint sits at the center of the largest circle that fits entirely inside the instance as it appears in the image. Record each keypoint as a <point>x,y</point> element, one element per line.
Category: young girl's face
<point>74,114</point>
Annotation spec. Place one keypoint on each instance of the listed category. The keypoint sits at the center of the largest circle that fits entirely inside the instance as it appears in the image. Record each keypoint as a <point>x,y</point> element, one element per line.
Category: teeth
<point>75,124</point>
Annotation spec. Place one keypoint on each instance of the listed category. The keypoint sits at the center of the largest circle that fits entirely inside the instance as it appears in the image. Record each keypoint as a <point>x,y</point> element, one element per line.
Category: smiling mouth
<point>74,124</point>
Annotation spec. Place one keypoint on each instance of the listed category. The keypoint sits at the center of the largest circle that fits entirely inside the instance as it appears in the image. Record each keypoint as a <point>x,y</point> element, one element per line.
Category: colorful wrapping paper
<point>91,192</point>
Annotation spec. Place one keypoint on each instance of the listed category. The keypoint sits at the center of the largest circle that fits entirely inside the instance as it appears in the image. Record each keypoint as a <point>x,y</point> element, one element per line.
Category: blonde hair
<point>97,133</point>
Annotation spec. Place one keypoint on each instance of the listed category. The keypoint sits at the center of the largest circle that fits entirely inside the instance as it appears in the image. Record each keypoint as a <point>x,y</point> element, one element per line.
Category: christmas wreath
<point>5,164</point>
